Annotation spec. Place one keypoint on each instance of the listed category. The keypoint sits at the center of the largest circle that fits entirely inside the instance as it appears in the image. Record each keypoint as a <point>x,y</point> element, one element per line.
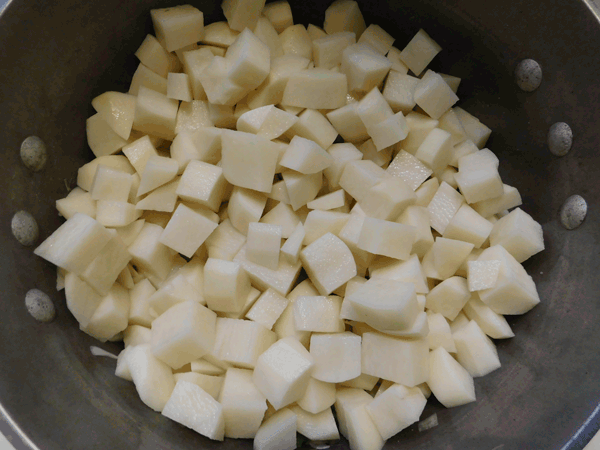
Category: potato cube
<point>161,199</point>
<point>359,176</point>
<point>202,183</point>
<point>152,378</point>
<point>436,150</point>
<point>475,351</point>
<point>242,14</point>
<point>440,334</point>
<point>117,110</point>
<point>479,185</point>
<point>268,308</point>
<point>386,238</point>
<point>302,188</point>
<point>183,334</point>
<point>77,201</point>
<point>327,51</point>
<point>402,361</point>
<point>354,420</point>
<point>476,131</point>
<point>467,225</point>
<point>277,432</point>
<point>263,244</point>
<point>452,124</point>
<point>226,285</point>
<point>193,407</point>
<point>194,63</point>
<point>139,152</point>
<point>173,291</point>
<point>75,244</point>
<point>409,271</point>
<point>280,15</point>
<point>519,234</point>
<point>333,200</point>
<point>514,291</point>
<point>420,126</point>
<point>186,231</point>
<point>314,126</point>
<point>316,89</point>
<point>101,138</point>
<point>329,263</point>
<point>341,154</point>
<point>210,384</point>
<point>116,214</point>
<point>419,52</point>
<point>389,132</point>
<point>139,311</point>
<point>409,169</point>
<point>158,171</point>
<point>319,223</point>
<point>110,316</point>
<point>449,381</point>
<point>364,67</point>
<point>248,160</point>
<point>219,34</point>
<point>509,199</point>
<point>110,184</point>
<point>385,304</point>
<point>266,121</point>
<point>443,206</point>
<point>491,323</point>
<point>284,216</point>
<point>373,109</point>
<point>87,172</point>
<point>336,356</point>
<point>144,76</point>
<point>178,26</point>
<point>295,40</point>
<point>449,297</point>
<point>318,397</point>
<point>396,408</point>
<point>155,114</point>
<point>387,199</point>
<point>316,427</point>
<point>218,87</point>
<point>434,96</point>
<point>448,255</point>
<point>250,59</point>
<point>103,271</point>
<point>282,372</point>
<point>150,254</point>
<point>245,206</point>
<point>82,299</point>
<point>344,15</point>
<point>225,241</point>
<point>399,91</point>
<point>305,156</point>
<point>320,314</point>
<point>179,87</point>
<point>243,404</point>
<point>376,36</point>
<point>152,54</point>
<point>348,124</point>
<point>290,250</point>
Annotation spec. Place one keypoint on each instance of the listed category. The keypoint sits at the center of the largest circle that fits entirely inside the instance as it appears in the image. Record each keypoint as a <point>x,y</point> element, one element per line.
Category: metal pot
<point>56,56</point>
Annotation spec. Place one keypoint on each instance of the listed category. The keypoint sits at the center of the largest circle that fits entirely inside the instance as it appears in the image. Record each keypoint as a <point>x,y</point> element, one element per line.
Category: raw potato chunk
<point>103,271</point>
<point>327,51</point>
<point>448,255</point>
<point>266,121</point>
<point>348,124</point>
<point>467,225</point>
<point>344,15</point>
<point>139,311</point>
<point>359,176</point>
<point>279,14</point>
<point>282,372</point>
<point>152,55</point>
<point>362,432</point>
<point>305,156</point>
<point>451,123</point>
<point>317,427</point>
<point>418,217</point>
<point>336,356</point>
<point>250,59</point>
<point>77,201</point>
<point>263,244</point>
<point>219,34</point>
<point>399,91</point>
<point>509,199</point>
<point>117,110</point>
<point>152,378</point>
<point>210,384</point>
<point>268,308</point>
<point>296,41</point>
<point>186,231</point>
<point>225,241</point>
<point>302,188</point>
<point>245,206</point>
<point>248,160</point>
<point>475,351</point>
<point>329,263</point>
<point>318,223</point>
<point>226,285</point>
<point>242,14</point>
<point>155,114</point>
<point>329,201</point>
<point>398,360</point>
<point>363,381</point>
<point>514,291</point>
<point>436,149</point>
<point>420,126</point>
<point>476,131</point>
<point>318,397</point>
<point>144,76</point>
<point>243,404</point>
<point>316,89</point>
<point>162,199</point>
<point>364,67</point>
<point>110,316</point>
<point>389,132</point>
<point>183,334</point>
<point>178,27</point>
<point>443,206</point>
<point>278,432</point>
<point>396,409</point>
<point>284,216</point>
<point>158,171</point>
<point>448,380</point>
<point>440,334</point>
<point>193,407</point>
<point>386,238</point>
<point>482,274</point>
<point>387,199</point>
<point>376,36</point>
<point>178,87</point>
<point>409,169</point>
<point>75,244</point>
<point>409,271</point>
<point>173,291</point>
<point>449,297</point>
<point>320,314</point>
<point>101,138</point>
<point>434,96</point>
<point>519,234</point>
<point>139,152</point>
<point>419,52</point>
<point>491,323</point>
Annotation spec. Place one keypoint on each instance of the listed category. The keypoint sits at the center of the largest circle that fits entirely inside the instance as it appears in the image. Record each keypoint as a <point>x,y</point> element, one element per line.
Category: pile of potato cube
<point>251,149</point>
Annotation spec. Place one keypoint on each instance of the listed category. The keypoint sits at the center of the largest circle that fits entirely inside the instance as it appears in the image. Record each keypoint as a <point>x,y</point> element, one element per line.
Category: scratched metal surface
<point>56,56</point>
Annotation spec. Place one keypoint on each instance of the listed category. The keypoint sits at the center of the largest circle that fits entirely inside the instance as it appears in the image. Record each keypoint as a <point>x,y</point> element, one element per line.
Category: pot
<point>57,55</point>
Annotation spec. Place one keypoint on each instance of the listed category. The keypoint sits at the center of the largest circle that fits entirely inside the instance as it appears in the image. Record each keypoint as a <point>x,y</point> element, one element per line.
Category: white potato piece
<point>245,206</point>
<point>268,308</point>
<point>110,317</point>
<point>398,360</point>
<point>242,14</point>
<point>364,68</point>
<point>377,37</point>
<point>389,132</point>
<point>409,169</point>
<point>210,384</point>
<point>178,26</point>
<point>282,372</point>
<point>443,206</point>
<point>220,89</point>
<point>266,32</point>
<point>103,271</point>
<point>219,34</point>
<point>362,431</point>
<point>363,381</point>
<point>373,108</point>
<point>519,234</point>
<point>152,54</point>
<point>418,217</point>
<point>152,378</point>
<point>450,122</point>
<point>491,323</point>
<point>316,89</point>
<point>467,225</point>
<point>285,326</point>
<point>476,131</point>
<point>279,14</point>
<point>318,397</point>
<point>382,237</point>
<point>178,87</point>
<point>296,41</point>
<point>302,188</point>
<point>397,65</point>
<point>173,291</point>
<point>395,409</point>
<point>509,199</point>
<point>370,152</point>
<point>313,125</point>
<point>348,124</point>
<point>305,156</point>
<point>333,200</point>
<point>290,250</point>
<point>226,285</point>
<point>399,91</point>
<point>341,154</point>
<point>419,52</point>
<point>117,110</point>
<point>448,255</point>
<point>336,356</point>
<point>449,297</point>
<point>318,223</point>
<point>136,335</point>
<point>440,334</point>
<point>318,313</point>
<point>101,138</point>
<point>263,244</point>
<point>350,398</point>
<point>387,199</point>
<point>266,121</point>
<point>408,271</point>
<point>139,311</point>
<point>186,231</point>
<point>277,432</point>
<point>77,201</point>
<point>284,216</point>
<point>434,96</point>
<point>225,241</point>
<point>320,426</point>
<point>436,149</point>
<point>192,406</point>
<point>155,114</point>
<point>475,351</point>
<point>139,152</point>
<point>158,170</point>
<point>482,274</point>
<point>344,15</point>
<point>249,161</point>
<point>448,380</point>
<point>466,147</point>
<point>250,60</point>
<point>327,51</point>
<point>183,334</point>
<point>359,176</point>
<point>161,199</point>
<point>329,263</point>
<point>243,404</point>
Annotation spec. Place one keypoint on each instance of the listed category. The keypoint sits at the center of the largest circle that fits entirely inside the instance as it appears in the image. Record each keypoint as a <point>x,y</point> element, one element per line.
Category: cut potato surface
<point>254,152</point>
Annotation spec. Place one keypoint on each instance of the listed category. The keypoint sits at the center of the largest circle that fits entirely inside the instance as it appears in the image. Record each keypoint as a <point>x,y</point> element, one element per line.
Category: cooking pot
<point>57,55</point>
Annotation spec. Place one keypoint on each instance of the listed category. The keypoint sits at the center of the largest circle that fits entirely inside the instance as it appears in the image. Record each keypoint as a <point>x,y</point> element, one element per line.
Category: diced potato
<point>268,308</point>
<point>296,41</point>
<point>78,201</point>
<point>491,323</point>
<point>284,216</point>
<point>152,378</point>
<point>282,372</point>
<point>376,36</point>
<point>202,366</point>
<point>219,34</point>
<point>359,176</point>
<point>364,67</point>
<point>136,335</point>
<point>381,158</point>
<point>263,244</point>
<point>386,238</point>
<point>509,199</point>
<point>434,96</point>
<point>467,225</point>
<point>449,381</point>
<point>103,271</point>
<point>408,271</point>
<point>448,255</point>
<point>327,51</point>
<point>178,26</point>
<point>152,54</point>
<point>336,356</point>
<point>305,156</point>
<point>110,184</point>
<point>440,334</point>
<point>482,274</point>
<point>347,399</point>
<point>314,126</point>
<point>225,241</point>
<point>329,201</point>
<point>266,121</point>
<point>476,131</point>
<point>290,250</point>
<point>218,87</point>
<point>116,214</point>
<point>245,206</point>
<point>318,223</point>
<point>302,188</point>
<point>117,110</point>
<point>242,14</point>
<point>226,285</point>
<point>519,234</point>
<point>149,253</point>
<point>139,311</point>
<point>475,351</point>
<point>419,52</point>
<point>277,432</point>
<point>320,426</point>
<point>397,65</point>
<point>420,126</point>
<point>318,397</point>
<point>101,138</point>
<point>110,316</point>
<point>348,124</point>
<point>373,109</point>
<point>344,15</point>
<point>192,406</point>
<point>178,87</point>
<point>279,14</point>
<point>449,297</point>
<point>155,113</point>
<point>139,152</point>
<point>144,76</point>
<point>250,60</point>
<point>318,314</point>
<point>443,206</point>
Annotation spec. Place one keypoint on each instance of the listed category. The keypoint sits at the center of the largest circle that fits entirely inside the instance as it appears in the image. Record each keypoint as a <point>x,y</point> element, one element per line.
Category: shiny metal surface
<point>56,56</point>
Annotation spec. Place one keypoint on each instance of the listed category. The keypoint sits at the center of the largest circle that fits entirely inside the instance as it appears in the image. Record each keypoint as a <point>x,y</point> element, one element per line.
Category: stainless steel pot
<point>55,56</point>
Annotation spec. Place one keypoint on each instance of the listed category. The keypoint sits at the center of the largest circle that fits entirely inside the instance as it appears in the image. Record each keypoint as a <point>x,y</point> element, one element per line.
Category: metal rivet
<point>33,153</point>
<point>573,212</point>
<point>560,139</point>
<point>528,75</point>
<point>39,305</point>
<point>24,228</point>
